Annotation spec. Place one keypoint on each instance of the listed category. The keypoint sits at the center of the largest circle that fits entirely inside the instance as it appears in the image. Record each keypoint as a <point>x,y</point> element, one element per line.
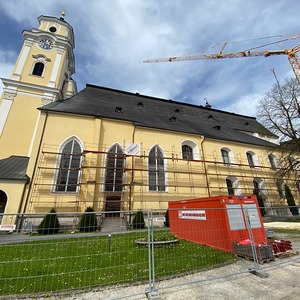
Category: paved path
<point>283,225</point>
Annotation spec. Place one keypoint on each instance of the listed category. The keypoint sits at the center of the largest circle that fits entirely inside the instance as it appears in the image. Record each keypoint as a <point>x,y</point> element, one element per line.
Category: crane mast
<point>291,54</point>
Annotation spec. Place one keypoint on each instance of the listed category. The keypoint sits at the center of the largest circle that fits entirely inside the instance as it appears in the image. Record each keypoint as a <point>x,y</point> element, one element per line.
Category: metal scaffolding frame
<point>184,179</point>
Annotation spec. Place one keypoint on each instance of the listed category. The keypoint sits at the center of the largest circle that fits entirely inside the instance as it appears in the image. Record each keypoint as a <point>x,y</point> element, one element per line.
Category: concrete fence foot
<point>152,295</point>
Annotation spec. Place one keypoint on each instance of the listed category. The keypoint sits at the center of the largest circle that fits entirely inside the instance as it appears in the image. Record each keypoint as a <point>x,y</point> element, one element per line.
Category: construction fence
<point>49,254</point>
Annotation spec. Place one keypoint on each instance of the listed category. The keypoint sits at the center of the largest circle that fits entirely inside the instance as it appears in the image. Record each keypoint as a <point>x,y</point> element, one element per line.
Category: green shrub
<point>88,221</point>
<point>290,201</point>
<point>138,221</point>
<point>49,224</point>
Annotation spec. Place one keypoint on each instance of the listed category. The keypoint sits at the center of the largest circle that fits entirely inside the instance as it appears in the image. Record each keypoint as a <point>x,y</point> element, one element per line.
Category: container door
<point>235,217</point>
<point>251,210</point>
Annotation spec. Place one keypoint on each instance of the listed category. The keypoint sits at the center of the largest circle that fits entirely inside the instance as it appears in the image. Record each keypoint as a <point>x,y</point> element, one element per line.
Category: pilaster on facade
<point>5,106</point>
<point>22,59</point>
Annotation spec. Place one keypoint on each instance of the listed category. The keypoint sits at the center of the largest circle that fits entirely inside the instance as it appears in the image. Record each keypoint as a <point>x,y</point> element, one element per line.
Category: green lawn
<point>56,265</point>
<point>293,220</point>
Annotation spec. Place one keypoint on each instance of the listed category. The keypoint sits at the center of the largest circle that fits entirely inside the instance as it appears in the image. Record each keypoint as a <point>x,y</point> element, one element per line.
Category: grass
<point>292,220</point>
<point>291,231</point>
<point>64,264</point>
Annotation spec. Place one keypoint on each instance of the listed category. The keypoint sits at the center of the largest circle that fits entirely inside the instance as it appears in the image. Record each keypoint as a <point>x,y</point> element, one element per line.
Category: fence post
<point>256,270</point>
<point>151,294</point>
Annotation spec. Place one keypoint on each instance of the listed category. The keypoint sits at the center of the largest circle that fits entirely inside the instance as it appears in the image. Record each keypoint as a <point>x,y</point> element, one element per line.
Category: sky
<point>113,37</point>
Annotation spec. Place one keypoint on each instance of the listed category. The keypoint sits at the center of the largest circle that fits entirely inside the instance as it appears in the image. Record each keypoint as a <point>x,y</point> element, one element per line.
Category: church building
<point>115,150</point>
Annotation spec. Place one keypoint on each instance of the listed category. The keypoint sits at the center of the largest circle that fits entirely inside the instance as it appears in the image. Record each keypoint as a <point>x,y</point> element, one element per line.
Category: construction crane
<point>291,54</point>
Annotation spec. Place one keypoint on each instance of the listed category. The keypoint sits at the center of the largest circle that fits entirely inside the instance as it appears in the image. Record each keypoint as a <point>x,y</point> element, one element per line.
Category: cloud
<point>7,62</point>
<point>114,37</point>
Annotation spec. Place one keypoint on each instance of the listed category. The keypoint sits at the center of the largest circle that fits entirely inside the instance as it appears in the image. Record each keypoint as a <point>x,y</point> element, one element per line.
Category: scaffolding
<point>184,179</point>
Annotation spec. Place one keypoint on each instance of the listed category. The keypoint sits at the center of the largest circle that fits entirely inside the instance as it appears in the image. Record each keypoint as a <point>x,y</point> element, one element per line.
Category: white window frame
<point>57,166</point>
<point>194,148</point>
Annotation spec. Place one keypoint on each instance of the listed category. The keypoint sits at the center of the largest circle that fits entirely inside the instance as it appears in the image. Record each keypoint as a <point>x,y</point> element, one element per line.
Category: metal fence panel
<point>44,263</point>
<point>114,249</point>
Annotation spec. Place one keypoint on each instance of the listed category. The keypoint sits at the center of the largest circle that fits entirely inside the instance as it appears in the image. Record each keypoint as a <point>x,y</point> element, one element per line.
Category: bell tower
<point>42,74</point>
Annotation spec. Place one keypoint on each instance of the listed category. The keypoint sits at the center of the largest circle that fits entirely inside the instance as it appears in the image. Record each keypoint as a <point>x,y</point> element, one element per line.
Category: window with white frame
<point>298,186</point>
<point>294,164</point>
<point>273,161</point>
<point>67,179</point>
<point>189,150</point>
<point>233,185</point>
<point>252,159</point>
<point>227,156</point>
<point>156,170</point>
<point>38,69</point>
<point>114,169</point>
<point>280,188</point>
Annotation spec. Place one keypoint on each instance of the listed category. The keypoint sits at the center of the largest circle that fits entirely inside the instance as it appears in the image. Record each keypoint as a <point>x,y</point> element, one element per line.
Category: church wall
<point>239,168</point>
<point>14,191</point>
<point>58,129</point>
<point>19,126</point>
<point>205,175</point>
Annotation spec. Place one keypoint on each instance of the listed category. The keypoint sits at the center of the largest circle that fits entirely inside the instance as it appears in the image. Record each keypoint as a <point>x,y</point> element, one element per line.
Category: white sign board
<point>133,149</point>
<point>192,214</point>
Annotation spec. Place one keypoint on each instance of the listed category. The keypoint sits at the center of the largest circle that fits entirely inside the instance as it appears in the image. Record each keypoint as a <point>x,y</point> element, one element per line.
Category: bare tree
<point>279,111</point>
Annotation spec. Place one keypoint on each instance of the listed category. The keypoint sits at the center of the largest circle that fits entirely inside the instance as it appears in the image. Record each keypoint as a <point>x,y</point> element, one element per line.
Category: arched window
<point>293,163</point>
<point>114,169</point>
<point>261,193</point>
<point>69,167</point>
<point>156,170</point>
<point>38,69</point>
<point>233,185</point>
<point>3,202</point>
<point>250,157</point>
<point>273,161</point>
<point>280,187</point>
<point>298,186</point>
<point>189,150</point>
<point>227,156</point>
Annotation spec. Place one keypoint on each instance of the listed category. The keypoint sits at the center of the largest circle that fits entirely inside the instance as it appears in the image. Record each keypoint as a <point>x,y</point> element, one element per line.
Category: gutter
<point>205,169</point>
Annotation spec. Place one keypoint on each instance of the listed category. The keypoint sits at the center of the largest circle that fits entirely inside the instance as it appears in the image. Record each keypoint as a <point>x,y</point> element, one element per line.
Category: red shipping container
<point>217,221</point>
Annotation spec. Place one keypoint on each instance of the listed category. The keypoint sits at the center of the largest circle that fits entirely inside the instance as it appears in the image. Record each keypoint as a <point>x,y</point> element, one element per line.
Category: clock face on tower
<point>46,44</point>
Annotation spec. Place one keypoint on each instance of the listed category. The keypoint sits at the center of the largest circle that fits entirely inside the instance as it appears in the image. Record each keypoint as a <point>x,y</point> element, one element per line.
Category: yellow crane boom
<point>291,54</point>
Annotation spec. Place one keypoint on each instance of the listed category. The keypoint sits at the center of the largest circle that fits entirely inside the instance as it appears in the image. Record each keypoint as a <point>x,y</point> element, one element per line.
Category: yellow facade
<point>203,176</point>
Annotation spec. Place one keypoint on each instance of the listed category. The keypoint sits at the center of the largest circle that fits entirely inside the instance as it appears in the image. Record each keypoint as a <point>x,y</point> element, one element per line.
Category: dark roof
<point>164,114</point>
<point>14,168</point>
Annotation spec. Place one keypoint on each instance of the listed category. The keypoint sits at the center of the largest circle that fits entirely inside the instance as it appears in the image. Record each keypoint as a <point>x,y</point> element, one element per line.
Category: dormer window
<point>140,104</point>
<point>177,111</point>
<point>173,119</point>
<point>119,110</point>
<point>210,117</point>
